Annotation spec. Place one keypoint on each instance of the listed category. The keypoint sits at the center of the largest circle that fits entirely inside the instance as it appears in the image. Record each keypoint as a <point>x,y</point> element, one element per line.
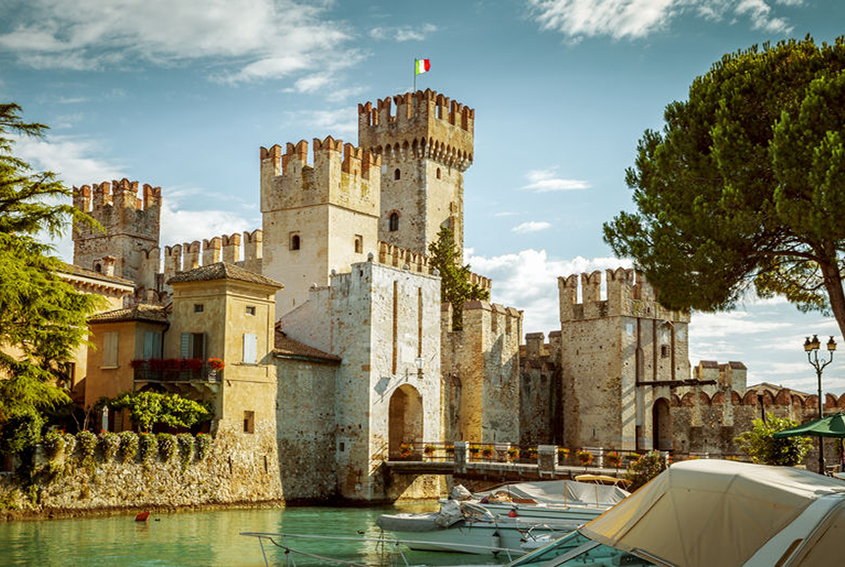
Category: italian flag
<point>421,66</point>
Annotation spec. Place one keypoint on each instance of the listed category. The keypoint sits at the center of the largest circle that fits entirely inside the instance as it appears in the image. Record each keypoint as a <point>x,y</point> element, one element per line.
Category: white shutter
<point>150,344</point>
<point>250,348</point>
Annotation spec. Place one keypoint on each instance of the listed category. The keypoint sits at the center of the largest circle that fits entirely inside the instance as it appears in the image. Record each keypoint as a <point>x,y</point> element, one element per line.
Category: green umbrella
<point>830,426</point>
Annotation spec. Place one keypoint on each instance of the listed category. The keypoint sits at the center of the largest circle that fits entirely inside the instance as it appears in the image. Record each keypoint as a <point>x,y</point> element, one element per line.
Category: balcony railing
<point>204,374</point>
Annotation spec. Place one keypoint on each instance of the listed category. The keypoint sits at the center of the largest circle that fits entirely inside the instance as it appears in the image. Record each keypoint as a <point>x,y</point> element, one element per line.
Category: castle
<point>337,348</point>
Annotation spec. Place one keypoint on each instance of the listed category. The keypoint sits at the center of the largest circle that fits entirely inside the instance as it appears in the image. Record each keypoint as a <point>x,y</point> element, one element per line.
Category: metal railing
<point>203,374</point>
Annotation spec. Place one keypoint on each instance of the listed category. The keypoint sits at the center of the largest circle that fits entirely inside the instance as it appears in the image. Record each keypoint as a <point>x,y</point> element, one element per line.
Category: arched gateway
<point>405,419</point>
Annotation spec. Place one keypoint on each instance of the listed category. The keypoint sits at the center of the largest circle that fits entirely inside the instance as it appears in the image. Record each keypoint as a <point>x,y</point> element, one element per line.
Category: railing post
<point>461,450</point>
<point>600,458</point>
<point>546,459</point>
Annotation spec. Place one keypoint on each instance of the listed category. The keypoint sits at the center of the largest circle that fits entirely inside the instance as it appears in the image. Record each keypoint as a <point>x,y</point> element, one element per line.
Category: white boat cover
<point>560,491</point>
<point>711,512</point>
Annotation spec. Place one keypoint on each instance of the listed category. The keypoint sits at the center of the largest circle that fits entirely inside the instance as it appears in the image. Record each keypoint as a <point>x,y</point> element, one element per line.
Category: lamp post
<point>811,347</point>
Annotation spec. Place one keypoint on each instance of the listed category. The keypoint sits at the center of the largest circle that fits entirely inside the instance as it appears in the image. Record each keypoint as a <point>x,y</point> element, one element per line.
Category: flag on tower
<point>421,66</point>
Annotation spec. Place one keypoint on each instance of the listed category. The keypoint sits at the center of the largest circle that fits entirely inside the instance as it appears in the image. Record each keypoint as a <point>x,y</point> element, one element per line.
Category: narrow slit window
<point>393,224</point>
<point>294,242</point>
<point>359,244</point>
<point>397,174</point>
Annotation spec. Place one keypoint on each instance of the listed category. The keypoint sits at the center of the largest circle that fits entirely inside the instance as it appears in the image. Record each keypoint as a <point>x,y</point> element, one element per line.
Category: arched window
<point>393,226</point>
<point>397,174</point>
<point>438,173</point>
<point>294,242</point>
<point>98,268</point>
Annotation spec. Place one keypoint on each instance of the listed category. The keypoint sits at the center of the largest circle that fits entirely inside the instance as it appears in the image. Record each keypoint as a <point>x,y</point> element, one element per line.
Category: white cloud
<point>258,39</point>
<point>403,33</point>
<point>545,181</point>
<point>505,214</point>
<point>73,158</point>
<point>180,226</point>
<point>531,226</point>
<point>527,280</point>
<point>630,19</point>
<point>340,121</point>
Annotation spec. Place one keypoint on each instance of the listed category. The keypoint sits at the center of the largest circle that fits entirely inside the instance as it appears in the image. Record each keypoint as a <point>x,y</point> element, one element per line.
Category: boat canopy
<point>560,491</point>
<point>710,512</point>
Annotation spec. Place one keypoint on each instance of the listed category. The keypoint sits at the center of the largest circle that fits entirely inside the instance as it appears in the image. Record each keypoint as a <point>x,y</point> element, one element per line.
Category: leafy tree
<point>21,433</point>
<point>744,185</point>
<point>766,450</point>
<point>645,468</point>
<point>42,318</point>
<point>455,287</point>
<point>147,409</point>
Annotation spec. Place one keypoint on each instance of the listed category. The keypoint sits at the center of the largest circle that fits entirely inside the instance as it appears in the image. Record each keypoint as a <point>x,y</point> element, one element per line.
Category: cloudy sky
<point>182,94</point>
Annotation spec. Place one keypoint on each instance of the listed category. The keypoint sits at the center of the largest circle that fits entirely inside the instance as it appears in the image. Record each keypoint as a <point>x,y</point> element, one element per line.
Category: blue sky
<point>182,94</point>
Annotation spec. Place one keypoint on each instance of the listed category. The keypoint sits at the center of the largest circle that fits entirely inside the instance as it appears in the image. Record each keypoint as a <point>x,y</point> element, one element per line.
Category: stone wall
<point>305,418</point>
<point>482,361</point>
<point>232,473</point>
<point>540,402</point>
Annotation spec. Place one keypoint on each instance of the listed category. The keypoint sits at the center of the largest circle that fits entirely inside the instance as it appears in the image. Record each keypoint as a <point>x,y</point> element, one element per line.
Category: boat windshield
<point>574,550</point>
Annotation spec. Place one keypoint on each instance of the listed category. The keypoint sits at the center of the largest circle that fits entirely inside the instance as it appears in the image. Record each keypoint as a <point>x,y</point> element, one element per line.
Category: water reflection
<point>203,538</point>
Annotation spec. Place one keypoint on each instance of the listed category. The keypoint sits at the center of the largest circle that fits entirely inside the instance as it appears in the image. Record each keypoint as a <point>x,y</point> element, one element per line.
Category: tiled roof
<point>222,271</point>
<point>141,312</point>
<point>287,347</point>
<point>774,388</point>
<point>79,271</point>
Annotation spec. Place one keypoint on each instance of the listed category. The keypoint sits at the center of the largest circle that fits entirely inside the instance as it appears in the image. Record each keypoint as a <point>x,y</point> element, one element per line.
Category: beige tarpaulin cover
<point>710,512</point>
<point>562,491</point>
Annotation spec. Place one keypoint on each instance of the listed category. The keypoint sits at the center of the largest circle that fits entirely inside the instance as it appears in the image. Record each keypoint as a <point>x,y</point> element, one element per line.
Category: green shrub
<point>147,409</point>
<point>766,450</point>
<point>203,446</point>
<point>128,445</point>
<point>21,433</point>
<point>109,445</point>
<point>70,443</point>
<point>186,448</point>
<point>147,446</point>
<point>87,442</point>
<point>53,443</point>
<point>166,446</point>
<point>645,468</point>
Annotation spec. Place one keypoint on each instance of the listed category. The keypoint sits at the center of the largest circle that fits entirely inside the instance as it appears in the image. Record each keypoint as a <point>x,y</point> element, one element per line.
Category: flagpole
<point>415,75</point>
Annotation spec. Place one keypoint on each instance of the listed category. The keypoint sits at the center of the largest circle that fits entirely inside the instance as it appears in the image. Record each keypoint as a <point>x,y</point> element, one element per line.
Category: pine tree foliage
<point>42,318</point>
<point>455,287</point>
<point>744,187</point>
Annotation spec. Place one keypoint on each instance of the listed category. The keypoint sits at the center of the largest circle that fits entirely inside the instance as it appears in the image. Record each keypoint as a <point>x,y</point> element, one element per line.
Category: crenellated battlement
<point>627,294</point>
<point>341,174</point>
<point>492,320</point>
<point>226,248</point>
<point>425,125</point>
<point>398,257</point>
<point>121,194</point>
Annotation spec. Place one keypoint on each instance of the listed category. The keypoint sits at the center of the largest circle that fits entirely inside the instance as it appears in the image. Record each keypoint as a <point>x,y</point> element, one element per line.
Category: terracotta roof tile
<point>141,312</point>
<point>287,347</point>
<point>222,271</point>
<point>80,271</point>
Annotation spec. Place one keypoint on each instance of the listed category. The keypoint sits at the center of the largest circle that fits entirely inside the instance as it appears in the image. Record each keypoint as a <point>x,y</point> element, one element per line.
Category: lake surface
<point>206,538</point>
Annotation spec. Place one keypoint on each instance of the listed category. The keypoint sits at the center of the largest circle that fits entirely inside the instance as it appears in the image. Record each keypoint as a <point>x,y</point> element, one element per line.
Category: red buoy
<point>512,513</point>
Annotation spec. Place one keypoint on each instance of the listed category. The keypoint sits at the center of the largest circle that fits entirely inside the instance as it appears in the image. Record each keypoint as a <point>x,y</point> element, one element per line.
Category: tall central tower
<point>425,147</point>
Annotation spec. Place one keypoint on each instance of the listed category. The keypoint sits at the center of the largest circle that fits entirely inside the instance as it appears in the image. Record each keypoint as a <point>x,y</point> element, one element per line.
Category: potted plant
<point>405,449</point>
<point>585,458</point>
<point>215,365</point>
<point>532,453</point>
<point>513,453</point>
<point>487,451</point>
<point>473,451</point>
<point>428,450</point>
<point>613,459</point>
<point>137,363</point>
<point>156,364</point>
<point>562,455</point>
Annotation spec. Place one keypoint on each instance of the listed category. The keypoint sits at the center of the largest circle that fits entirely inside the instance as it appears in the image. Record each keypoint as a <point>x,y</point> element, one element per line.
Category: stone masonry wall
<point>540,403</point>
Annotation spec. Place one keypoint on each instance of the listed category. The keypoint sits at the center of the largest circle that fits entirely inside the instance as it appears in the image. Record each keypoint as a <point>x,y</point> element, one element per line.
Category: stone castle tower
<point>425,148</point>
<point>131,228</point>
<point>621,357</point>
<point>316,218</point>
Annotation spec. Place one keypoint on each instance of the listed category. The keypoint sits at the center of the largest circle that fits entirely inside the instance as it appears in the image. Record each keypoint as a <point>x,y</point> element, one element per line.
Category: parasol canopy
<point>829,426</point>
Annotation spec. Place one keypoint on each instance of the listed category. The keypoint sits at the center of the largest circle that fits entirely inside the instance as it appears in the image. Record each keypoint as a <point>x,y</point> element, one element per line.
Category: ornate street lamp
<point>811,347</point>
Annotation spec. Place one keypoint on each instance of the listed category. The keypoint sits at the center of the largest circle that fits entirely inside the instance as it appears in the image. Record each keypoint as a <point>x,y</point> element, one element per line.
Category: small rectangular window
<point>110,341</point>
<point>250,348</point>
<point>664,351</point>
<point>249,422</point>
<point>359,244</point>
<point>152,345</point>
<point>198,307</point>
<point>250,309</point>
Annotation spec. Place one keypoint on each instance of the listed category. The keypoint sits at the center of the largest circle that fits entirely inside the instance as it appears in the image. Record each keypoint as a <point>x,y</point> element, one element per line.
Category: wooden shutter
<point>150,344</point>
<point>110,340</point>
<point>250,348</point>
<point>185,345</point>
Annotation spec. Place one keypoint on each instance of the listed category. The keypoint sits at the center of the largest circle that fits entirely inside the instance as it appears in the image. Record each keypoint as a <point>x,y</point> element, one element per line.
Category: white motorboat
<point>467,527</point>
<point>567,500</point>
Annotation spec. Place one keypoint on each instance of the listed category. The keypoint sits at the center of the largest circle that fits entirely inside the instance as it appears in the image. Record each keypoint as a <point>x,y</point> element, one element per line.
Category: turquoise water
<point>204,538</point>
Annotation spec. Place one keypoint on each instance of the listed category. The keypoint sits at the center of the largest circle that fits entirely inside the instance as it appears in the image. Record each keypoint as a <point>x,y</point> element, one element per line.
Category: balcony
<point>204,374</point>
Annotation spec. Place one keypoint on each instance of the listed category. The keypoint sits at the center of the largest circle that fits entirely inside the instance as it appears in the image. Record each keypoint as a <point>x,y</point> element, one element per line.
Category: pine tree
<point>455,287</point>
<point>42,318</point>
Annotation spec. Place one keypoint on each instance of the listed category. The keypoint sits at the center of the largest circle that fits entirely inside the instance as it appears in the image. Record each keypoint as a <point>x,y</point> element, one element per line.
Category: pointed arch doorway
<point>661,425</point>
